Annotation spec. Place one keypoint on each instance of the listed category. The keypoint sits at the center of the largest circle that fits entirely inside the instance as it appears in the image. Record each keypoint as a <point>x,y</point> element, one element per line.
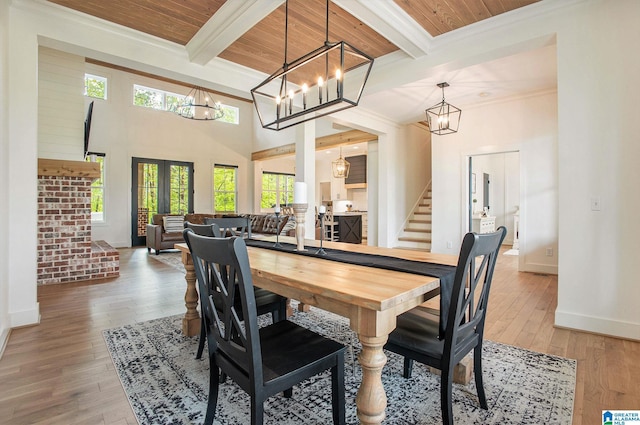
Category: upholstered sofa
<point>158,238</point>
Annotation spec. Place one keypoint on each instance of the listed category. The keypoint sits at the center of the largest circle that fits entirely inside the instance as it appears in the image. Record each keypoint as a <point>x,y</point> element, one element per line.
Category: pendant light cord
<point>327,25</point>
<point>286,30</point>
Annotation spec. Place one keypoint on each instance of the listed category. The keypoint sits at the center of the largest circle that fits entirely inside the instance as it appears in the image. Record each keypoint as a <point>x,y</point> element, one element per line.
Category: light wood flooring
<point>60,372</point>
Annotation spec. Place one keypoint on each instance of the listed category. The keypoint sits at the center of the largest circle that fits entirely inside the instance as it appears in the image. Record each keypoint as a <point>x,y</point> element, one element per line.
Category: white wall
<point>4,176</point>
<point>60,105</point>
<point>22,206</point>
<point>123,130</point>
<point>528,125</point>
<point>598,92</point>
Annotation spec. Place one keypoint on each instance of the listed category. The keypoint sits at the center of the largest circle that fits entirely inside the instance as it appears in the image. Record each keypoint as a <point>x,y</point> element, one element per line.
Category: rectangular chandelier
<point>326,80</point>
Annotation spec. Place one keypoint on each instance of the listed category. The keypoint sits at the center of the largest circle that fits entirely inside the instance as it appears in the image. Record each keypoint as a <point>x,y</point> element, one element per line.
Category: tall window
<point>95,86</point>
<point>225,188</point>
<point>276,186</point>
<point>97,189</point>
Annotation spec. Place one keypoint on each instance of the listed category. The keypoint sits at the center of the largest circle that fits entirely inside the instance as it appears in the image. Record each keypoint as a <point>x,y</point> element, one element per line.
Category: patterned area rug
<point>171,258</point>
<point>167,385</point>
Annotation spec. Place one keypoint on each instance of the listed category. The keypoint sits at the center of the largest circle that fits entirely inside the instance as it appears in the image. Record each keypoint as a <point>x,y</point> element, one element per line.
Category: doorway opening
<point>494,194</point>
<point>158,187</point>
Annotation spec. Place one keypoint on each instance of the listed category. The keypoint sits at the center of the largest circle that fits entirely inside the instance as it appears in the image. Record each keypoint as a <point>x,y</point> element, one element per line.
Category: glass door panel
<point>158,187</point>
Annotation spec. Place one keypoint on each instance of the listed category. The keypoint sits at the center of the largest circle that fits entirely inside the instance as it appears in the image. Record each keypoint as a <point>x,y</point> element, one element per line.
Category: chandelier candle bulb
<point>304,95</point>
<point>320,82</point>
<point>338,75</point>
<point>278,101</point>
<point>290,101</point>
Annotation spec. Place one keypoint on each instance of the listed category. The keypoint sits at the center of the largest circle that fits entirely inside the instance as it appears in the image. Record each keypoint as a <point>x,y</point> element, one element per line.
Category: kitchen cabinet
<point>349,227</point>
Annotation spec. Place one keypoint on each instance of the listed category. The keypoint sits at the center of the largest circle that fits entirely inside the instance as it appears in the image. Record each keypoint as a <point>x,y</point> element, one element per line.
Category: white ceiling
<point>514,75</point>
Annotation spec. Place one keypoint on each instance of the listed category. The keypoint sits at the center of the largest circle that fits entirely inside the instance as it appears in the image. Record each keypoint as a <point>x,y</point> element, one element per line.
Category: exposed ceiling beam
<point>230,22</point>
<point>340,139</point>
<point>392,23</point>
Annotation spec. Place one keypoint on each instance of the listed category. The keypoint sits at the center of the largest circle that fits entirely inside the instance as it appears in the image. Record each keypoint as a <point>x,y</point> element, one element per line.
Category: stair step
<point>420,221</point>
<point>410,239</point>
<point>422,212</point>
<point>425,246</point>
<point>416,230</point>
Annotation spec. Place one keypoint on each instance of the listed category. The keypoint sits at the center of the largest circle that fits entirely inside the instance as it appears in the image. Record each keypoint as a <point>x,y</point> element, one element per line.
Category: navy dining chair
<point>262,361</point>
<point>417,335</point>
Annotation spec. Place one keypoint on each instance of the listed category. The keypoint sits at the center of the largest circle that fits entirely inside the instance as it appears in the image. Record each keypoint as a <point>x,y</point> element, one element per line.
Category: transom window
<point>162,100</point>
<point>95,86</point>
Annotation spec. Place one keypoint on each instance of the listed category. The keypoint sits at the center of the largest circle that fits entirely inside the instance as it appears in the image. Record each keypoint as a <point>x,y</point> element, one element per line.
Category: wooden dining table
<point>371,298</point>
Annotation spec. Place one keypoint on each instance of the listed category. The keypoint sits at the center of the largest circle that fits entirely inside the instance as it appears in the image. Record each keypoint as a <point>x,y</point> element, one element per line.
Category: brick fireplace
<point>66,252</point>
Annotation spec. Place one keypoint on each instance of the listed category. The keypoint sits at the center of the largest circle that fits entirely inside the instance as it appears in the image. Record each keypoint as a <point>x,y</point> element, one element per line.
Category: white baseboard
<point>539,268</point>
<point>598,325</point>
<point>25,317</point>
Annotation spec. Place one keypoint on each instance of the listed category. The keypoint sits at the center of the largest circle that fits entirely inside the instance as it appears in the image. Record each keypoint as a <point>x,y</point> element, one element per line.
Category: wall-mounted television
<point>87,129</point>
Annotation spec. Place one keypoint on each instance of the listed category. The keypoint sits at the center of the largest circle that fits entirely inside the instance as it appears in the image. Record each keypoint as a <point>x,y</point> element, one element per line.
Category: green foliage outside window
<point>225,189</point>
<point>149,98</point>
<point>167,101</point>
<point>95,86</point>
<point>179,189</point>
<point>231,114</point>
<point>148,188</point>
<point>276,186</point>
<point>97,192</point>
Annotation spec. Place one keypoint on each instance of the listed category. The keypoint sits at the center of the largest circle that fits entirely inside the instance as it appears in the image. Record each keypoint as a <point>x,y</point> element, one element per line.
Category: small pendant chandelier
<point>340,167</point>
<point>199,105</point>
<point>443,118</point>
<point>328,79</point>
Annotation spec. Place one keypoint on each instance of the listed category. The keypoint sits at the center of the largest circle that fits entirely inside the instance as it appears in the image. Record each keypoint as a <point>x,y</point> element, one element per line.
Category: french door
<point>158,187</point>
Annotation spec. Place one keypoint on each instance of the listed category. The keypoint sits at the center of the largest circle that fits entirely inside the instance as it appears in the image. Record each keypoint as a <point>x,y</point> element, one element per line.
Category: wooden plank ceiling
<point>262,47</point>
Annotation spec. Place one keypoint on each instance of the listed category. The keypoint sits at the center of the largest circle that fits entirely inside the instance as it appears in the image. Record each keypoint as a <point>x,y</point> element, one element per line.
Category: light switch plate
<point>595,203</point>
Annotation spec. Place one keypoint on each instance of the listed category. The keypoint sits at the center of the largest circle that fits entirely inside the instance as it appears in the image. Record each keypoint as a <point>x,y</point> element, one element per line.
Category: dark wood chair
<point>232,226</point>
<point>262,361</point>
<point>266,301</point>
<point>417,335</point>
<point>210,230</point>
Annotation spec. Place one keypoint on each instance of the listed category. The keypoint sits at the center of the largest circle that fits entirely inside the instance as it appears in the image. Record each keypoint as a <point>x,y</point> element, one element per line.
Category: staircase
<point>417,234</point>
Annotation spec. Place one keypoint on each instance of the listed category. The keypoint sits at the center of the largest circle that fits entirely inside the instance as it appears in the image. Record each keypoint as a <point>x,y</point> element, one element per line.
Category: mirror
<point>485,191</point>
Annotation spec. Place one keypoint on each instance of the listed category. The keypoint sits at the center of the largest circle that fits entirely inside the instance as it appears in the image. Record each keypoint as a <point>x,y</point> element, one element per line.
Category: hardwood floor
<point>60,372</point>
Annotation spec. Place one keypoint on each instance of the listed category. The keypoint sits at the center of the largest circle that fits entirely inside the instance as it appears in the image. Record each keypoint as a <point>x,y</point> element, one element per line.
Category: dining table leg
<point>371,400</point>
<point>191,319</point>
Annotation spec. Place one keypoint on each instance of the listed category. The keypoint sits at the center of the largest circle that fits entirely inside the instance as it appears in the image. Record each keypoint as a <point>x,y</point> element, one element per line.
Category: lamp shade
<point>341,167</point>
<point>443,118</point>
